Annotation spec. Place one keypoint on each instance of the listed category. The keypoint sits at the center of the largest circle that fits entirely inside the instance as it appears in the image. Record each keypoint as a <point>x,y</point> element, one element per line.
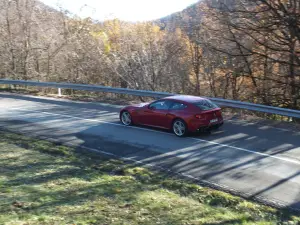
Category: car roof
<point>186,98</point>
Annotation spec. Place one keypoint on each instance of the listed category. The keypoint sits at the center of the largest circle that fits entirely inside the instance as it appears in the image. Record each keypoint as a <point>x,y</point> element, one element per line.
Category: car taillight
<point>199,116</point>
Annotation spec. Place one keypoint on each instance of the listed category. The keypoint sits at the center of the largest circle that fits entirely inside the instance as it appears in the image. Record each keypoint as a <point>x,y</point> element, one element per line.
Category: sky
<point>128,10</point>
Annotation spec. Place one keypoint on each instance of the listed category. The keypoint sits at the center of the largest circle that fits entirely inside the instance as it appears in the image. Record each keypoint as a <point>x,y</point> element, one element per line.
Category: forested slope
<point>247,50</point>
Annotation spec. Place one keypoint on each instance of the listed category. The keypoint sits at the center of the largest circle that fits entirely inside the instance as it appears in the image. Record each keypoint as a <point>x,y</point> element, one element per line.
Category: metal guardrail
<point>86,87</point>
<point>219,101</point>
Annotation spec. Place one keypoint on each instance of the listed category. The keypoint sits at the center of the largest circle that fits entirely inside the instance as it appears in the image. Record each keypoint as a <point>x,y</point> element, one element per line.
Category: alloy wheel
<point>179,128</point>
<point>126,118</point>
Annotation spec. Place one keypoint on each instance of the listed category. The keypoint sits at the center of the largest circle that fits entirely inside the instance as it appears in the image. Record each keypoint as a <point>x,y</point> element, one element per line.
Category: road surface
<point>259,161</point>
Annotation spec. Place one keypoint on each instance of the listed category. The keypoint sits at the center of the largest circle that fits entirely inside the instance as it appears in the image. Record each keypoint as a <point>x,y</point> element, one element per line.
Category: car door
<point>156,113</point>
<point>176,110</point>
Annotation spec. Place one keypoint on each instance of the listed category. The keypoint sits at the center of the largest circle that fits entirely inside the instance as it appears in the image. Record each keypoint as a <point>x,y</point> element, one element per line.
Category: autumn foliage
<point>246,50</point>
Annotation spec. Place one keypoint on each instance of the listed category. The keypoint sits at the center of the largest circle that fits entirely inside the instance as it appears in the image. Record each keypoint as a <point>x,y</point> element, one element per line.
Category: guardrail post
<point>59,92</point>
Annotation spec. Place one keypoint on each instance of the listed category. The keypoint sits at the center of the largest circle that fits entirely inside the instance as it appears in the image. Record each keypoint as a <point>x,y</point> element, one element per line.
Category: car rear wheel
<point>126,118</point>
<point>179,128</point>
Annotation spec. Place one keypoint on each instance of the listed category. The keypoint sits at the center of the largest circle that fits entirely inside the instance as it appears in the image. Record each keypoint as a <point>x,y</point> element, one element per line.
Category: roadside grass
<point>45,183</point>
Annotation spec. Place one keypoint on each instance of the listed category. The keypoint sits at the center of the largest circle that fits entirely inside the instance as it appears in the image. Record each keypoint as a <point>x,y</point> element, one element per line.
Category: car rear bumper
<point>210,126</point>
<point>203,125</point>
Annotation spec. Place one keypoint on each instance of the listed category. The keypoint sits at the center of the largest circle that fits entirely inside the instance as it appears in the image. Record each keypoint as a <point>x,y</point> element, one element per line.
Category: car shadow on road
<point>207,160</point>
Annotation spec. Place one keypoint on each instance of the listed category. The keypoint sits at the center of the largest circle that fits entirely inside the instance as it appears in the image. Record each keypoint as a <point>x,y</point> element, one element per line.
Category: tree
<point>261,33</point>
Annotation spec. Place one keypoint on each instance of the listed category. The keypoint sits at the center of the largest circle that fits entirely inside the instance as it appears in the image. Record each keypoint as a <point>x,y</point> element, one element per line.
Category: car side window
<point>178,106</point>
<point>161,105</point>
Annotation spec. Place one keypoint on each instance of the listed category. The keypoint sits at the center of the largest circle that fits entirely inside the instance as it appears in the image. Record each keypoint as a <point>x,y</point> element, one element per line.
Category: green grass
<point>45,183</point>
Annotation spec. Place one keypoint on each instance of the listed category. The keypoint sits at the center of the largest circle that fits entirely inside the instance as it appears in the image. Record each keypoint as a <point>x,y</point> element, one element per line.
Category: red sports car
<point>181,114</point>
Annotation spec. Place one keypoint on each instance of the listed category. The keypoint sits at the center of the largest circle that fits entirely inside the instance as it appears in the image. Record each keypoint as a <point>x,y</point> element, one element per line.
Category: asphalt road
<point>257,160</point>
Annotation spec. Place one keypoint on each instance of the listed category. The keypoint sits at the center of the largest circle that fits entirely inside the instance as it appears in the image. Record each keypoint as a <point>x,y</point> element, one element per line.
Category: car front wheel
<point>179,128</point>
<point>126,118</point>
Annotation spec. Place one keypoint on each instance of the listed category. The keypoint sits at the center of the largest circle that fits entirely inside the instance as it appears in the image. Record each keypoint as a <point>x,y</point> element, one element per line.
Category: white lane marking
<point>165,169</point>
<point>251,151</point>
<point>91,120</point>
<point>146,129</point>
<point>146,164</point>
<point>61,100</point>
<point>282,129</point>
<point>121,106</point>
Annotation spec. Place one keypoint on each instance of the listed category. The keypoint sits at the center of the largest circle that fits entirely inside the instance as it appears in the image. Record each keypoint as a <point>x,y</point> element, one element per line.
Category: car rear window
<point>206,105</point>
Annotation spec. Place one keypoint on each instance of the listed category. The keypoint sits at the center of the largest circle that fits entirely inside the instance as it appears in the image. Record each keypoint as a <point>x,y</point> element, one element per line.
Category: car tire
<point>126,118</point>
<point>179,128</point>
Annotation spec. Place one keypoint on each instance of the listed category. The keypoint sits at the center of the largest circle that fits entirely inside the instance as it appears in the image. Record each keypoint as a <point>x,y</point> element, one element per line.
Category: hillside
<point>190,18</point>
<point>242,61</point>
<point>186,19</point>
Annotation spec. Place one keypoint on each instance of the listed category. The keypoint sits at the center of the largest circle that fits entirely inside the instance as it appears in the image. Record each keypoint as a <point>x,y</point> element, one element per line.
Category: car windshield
<point>206,105</point>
